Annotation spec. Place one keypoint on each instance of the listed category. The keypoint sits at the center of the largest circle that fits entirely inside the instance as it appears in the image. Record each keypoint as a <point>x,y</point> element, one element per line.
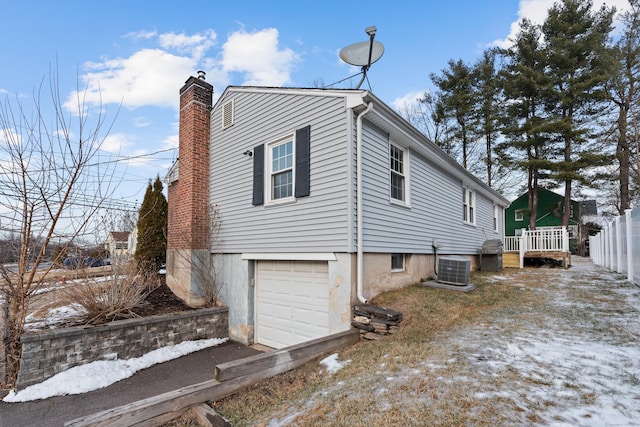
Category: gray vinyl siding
<point>435,210</point>
<point>316,223</point>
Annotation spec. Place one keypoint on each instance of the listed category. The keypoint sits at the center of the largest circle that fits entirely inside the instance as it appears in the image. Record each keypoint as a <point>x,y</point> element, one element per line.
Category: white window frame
<point>404,174</point>
<point>269,185</point>
<point>404,263</point>
<point>496,218</point>
<point>468,206</point>
<point>519,215</point>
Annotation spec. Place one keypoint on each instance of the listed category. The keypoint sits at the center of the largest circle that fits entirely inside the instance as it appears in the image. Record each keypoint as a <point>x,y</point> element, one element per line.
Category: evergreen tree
<point>151,244</point>
<point>487,93</point>
<point>576,51</point>
<point>524,83</point>
<point>455,102</point>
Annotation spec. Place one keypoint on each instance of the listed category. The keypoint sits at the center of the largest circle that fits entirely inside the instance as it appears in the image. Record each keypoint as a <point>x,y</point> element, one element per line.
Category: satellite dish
<point>358,53</point>
<point>363,54</point>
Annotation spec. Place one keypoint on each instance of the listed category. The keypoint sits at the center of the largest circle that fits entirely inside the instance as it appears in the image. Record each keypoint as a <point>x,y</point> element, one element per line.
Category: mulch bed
<point>161,301</point>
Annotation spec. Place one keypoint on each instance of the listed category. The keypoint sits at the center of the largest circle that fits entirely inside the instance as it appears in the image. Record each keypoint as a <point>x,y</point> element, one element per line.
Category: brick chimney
<point>188,193</point>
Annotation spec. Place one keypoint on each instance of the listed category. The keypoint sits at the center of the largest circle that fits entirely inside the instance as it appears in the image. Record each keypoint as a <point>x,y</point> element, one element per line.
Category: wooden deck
<point>512,259</point>
<point>545,242</point>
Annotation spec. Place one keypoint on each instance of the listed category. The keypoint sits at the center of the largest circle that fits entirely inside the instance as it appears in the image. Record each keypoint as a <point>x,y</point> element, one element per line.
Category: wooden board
<point>307,350</point>
<point>157,410</point>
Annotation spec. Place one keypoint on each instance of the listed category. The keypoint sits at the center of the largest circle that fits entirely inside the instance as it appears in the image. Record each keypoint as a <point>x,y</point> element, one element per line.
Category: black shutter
<point>303,149</point>
<point>258,175</point>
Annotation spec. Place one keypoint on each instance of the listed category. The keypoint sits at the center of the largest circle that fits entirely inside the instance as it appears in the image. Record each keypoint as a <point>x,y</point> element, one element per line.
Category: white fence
<point>543,239</point>
<point>617,246</point>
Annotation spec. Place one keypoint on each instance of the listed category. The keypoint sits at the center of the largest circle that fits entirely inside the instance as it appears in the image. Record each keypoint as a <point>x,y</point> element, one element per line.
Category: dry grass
<point>427,312</point>
<point>475,359</point>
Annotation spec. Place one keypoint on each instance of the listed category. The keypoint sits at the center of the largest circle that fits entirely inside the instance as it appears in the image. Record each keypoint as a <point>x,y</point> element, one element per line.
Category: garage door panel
<point>292,302</point>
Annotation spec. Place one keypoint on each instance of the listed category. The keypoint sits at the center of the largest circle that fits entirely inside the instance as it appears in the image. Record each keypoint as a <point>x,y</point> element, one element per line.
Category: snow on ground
<point>572,360</point>
<point>102,373</point>
<point>332,364</point>
<point>57,316</point>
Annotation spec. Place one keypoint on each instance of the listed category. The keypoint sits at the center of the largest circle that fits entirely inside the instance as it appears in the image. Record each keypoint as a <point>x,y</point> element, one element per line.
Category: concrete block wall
<point>48,353</point>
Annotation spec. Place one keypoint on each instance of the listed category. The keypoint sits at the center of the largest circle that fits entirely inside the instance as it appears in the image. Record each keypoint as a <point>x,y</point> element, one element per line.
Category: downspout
<point>359,256</point>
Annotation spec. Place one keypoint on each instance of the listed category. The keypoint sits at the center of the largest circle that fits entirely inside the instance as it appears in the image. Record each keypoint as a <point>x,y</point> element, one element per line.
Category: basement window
<point>397,263</point>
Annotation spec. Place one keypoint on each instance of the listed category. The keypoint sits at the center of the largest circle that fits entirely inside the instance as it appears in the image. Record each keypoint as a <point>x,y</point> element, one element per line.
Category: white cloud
<point>114,143</point>
<point>536,12</point>
<point>148,77</point>
<point>407,101</point>
<point>141,122</point>
<point>152,76</point>
<point>195,45</point>
<point>258,57</point>
<point>141,35</point>
<point>8,135</point>
<point>170,141</point>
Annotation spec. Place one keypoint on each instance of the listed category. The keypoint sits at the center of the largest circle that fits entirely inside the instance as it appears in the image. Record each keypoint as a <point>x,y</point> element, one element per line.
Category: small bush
<point>111,297</point>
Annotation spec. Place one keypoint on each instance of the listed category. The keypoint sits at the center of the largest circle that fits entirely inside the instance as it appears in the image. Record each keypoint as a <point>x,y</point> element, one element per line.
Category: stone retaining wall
<point>45,354</point>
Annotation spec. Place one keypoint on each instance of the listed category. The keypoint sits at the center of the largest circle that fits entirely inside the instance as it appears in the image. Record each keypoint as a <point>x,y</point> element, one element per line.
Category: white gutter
<point>360,268</point>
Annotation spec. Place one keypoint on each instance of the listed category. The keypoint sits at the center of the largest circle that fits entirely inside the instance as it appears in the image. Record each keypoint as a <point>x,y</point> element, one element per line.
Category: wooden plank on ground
<point>307,350</point>
<point>153,411</point>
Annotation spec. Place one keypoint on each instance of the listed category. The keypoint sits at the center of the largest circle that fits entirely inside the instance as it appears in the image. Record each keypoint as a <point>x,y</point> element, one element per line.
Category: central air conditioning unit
<point>454,270</point>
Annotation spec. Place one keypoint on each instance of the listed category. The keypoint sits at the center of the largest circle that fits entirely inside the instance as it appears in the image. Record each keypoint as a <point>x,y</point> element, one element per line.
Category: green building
<point>549,214</point>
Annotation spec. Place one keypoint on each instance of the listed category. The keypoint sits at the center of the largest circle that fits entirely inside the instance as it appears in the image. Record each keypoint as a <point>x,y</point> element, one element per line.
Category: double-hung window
<point>398,173</point>
<point>281,169</point>
<point>468,205</point>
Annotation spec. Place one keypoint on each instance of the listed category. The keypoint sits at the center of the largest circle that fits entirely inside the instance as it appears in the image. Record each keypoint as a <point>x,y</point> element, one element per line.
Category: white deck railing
<point>543,239</point>
<point>512,243</point>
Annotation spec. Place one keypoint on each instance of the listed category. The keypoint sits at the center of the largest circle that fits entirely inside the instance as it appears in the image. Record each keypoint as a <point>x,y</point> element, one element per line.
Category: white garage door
<point>292,302</point>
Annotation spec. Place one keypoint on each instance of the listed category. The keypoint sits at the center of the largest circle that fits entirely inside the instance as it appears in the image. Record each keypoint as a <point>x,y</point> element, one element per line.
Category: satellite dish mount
<point>363,54</point>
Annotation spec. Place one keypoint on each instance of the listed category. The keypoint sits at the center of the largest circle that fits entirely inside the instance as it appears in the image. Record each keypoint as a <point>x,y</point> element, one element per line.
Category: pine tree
<point>487,94</point>
<point>576,51</point>
<point>524,85</point>
<point>151,244</point>
<point>455,103</point>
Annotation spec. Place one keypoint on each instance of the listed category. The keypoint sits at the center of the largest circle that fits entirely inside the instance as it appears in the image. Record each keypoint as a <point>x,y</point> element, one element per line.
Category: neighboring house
<point>588,211</point>
<point>133,240</point>
<point>549,214</point>
<point>117,245</point>
<point>323,199</point>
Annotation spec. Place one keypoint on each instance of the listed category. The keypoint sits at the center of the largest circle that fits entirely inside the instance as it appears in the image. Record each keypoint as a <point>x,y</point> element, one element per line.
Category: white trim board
<point>302,256</point>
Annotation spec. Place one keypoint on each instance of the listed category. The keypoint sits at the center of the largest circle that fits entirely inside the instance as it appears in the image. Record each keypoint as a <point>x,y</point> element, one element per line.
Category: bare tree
<point>52,181</point>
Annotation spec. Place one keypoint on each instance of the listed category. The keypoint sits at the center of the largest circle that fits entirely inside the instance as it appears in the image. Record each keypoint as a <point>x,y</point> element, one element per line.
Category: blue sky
<point>139,54</point>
